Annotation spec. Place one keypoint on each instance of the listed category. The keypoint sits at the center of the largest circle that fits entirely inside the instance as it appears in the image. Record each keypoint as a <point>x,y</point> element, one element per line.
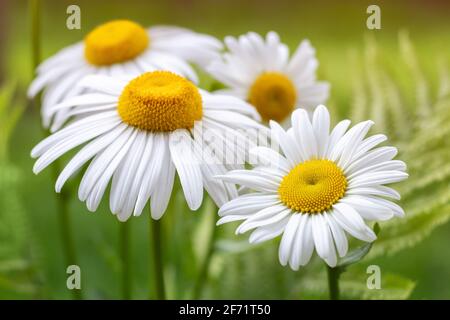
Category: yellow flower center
<point>115,41</point>
<point>160,101</point>
<point>273,95</point>
<point>313,186</point>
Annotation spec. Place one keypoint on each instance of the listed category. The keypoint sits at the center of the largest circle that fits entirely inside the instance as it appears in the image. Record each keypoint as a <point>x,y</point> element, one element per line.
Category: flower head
<point>117,48</point>
<point>322,188</point>
<point>260,71</point>
<point>139,133</point>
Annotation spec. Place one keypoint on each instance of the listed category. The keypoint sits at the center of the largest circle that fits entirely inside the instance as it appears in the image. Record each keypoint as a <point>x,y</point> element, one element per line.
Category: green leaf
<point>15,265</point>
<point>357,254</point>
<point>402,234</point>
<point>353,285</point>
<point>419,125</point>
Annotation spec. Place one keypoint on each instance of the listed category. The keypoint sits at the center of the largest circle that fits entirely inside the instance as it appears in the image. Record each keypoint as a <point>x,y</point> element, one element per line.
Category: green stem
<point>65,226</point>
<point>61,200</point>
<point>333,282</point>
<point>156,240</point>
<point>125,253</point>
<point>35,33</point>
<point>204,269</point>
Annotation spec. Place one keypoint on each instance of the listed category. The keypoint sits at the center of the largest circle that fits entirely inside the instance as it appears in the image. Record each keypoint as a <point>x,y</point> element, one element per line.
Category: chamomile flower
<point>322,188</point>
<point>120,47</point>
<point>138,135</point>
<point>260,71</point>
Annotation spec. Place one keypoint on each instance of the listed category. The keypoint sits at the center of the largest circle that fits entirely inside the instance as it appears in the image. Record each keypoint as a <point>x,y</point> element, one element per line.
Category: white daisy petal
<point>187,166</point>
<point>99,173</point>
<point>321,126</point>
<point>264,217</point>
<point>48,77</point>
<point>219,191</point>
<point>270,157</point>
<point>287,241</point>
<point>304,133</point>
<point>268,232</point>
<point>123,178</point>
<point>87,153</point>
<point>349,219</point>
<point>161,195</point>
<point>391,165</point>
<point>86,101</point>
<point>61,57</point>
<point>158,158</point>
<point>252,180</point>
<point>382,191</point>
<point>368,144</point>
<point>191,46</point>
<point>336,135</point>
<point>396,209</point>
<point>60,89</point>
<point>338,233</point>
<point>164,61</point>
<point>323,240</point>
<point>287,145</point>
<point>103,84</point>
<point>245,204</point>
<point>300,57</point>
<point>231,218</point>
<point>70,130</point>
<point>375,156</point>
<point>368,209</point>
<point>303,246</point>
<point>306,241</point>
<point>376,178</point>
<point>224,102</point>
<point>69,143</point>
<point>312,95</point>
<point>347,146</point>
<point>137,183</point>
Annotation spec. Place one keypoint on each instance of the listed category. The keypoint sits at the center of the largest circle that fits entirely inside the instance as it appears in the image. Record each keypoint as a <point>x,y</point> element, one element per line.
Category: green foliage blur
<point>398,76</point>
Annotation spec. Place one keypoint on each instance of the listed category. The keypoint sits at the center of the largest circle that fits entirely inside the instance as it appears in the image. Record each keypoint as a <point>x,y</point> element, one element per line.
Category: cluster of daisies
<point>128,99</point>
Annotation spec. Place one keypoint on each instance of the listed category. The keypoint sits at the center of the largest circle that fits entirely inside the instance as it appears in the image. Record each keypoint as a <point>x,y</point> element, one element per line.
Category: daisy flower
<point>322,188</point>
<point>138,135</point>
<point>120,47</point>
<point>260,71</point>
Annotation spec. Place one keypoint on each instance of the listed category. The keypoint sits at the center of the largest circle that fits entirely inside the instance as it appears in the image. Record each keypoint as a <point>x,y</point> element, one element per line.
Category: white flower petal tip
<point>36,171</point>
<point>157,215</point>
<point>314,154</point>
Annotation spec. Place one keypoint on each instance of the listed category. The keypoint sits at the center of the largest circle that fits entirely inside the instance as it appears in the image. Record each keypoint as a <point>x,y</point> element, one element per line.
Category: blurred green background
<point>398,75</point>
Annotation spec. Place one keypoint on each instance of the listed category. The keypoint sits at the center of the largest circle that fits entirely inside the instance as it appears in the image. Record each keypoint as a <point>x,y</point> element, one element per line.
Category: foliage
<point>16,270</point>
<point>420,126</point>
<point>353,286</point>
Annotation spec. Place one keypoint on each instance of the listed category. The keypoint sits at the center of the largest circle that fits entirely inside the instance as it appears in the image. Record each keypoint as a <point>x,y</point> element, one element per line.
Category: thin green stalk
<point>204,269</point>
<point>125,253</point>
<point>35,25</point>
<point>333,282</point>
<point>158,270</point>
<point>66,232</point>
<point>61,200</point>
